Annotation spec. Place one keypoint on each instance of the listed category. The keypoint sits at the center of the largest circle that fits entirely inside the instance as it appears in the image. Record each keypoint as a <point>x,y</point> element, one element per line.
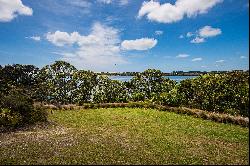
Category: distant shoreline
<point>174,73</point>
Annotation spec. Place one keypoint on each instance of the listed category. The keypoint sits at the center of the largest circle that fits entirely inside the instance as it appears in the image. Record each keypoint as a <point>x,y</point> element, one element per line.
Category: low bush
<point>223,93</point>
<point>16,109</point>
<point>9,118</point>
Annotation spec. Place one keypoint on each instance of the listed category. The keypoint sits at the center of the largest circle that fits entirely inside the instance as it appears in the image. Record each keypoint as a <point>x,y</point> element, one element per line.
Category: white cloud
<point>168,13</point>
<point>136,56</point>
<point>105,1</point>
<point>204,32</point>
<point>139,44</point>
<point>182,56</point>
<point>65,54</point>
<point>197,40</point>
<point>181,36</point>
<point>190,34</point>
<point>158,32</point>
<point>96,51</point>
<point>123,2</point>
<point>220,61</point>
<point>79,3</point>
<point>36,38</point>
<point>208,31</point>
<point>10,9</point>
<point>62,38</point>
<point>196,59</point>
<point>243,57</point>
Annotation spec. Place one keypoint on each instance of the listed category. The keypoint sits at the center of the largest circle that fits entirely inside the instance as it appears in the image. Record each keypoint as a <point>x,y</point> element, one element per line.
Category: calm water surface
<point>175,78</point>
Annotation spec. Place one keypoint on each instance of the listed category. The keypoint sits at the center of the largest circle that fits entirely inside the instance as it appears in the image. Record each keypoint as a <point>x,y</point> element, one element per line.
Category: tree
<point>18,76</point>
<point>150,84</point>
<point>83,85</point>
<point>56,83</point>
<point>217,92</point>
<point>109,91</point>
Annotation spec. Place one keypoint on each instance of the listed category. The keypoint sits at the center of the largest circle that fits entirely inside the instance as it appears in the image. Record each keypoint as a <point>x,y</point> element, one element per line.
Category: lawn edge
<point>217,117</point>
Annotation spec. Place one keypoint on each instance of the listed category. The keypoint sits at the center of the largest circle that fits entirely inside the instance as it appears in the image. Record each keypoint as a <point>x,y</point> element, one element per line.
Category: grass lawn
<point>125,136</point>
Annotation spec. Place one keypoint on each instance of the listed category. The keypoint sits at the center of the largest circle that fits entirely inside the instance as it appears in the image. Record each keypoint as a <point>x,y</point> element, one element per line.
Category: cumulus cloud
<point>96,51</point>
<point>169,13</point>
<point>10,9</point>
<point>158,32</point>
<point>36,38</point>
<point>63,38</point>
<point>189,34</point>
<point>182,56</point>
<point>139,44</point>
<point>208,31</point>
<point>220,61</point>
<point>204,32</point>
<point>196,59</point>
<point>198,40</point>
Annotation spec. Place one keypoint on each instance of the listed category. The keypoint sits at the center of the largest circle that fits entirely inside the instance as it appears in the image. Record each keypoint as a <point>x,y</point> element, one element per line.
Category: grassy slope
<point>126,136</point>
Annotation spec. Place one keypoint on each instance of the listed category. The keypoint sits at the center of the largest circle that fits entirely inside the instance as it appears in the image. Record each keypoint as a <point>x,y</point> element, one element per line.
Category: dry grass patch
<point>126,136</point>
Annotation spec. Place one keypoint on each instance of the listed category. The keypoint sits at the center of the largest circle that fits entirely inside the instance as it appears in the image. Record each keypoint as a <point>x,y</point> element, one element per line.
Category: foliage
<point>149,85</point>
<point>19,76</point>
<point>17,109</point>
<point>171,98</point>
<point>109,91</point>
<point>9,118</point>
<point>84,83</point>
<point>217,92</point>
<point>56,83</point>
<point>61,83</point>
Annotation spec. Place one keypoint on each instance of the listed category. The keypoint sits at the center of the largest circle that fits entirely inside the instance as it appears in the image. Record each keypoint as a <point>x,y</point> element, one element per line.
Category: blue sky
<point>126,35</point>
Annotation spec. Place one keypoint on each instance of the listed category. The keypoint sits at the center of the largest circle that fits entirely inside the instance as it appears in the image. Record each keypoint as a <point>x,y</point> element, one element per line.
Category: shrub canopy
<point>62,83</point>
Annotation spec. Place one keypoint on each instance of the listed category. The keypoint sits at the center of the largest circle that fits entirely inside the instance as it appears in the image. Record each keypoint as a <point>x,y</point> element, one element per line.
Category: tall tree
<point>83,83</point>
<point>109,91</point>
<point>150,84</point>
<point>56,83</point>
<point>18,76</point>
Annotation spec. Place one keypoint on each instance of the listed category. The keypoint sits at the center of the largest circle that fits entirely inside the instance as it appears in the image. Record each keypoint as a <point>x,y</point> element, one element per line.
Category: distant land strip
<point>174,73</point>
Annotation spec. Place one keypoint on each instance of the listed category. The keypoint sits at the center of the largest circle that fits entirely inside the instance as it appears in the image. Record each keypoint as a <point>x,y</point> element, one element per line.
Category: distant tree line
<point>173,73</point>
<point>61,83</point>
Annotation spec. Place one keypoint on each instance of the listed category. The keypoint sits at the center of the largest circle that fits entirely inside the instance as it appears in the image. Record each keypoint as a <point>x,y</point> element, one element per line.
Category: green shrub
<point>17,109</point>
<point>171,98</point>
<point>149,85</point>
<point>9,118</point>
<point>109,91</point>
<point>38,115</point>
<point>224,93</point>
<point>138,96</point>
<point>232,111</point>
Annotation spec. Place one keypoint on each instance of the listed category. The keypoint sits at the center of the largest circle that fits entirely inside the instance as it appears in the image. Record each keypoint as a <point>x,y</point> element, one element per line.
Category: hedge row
<point>217,117</point>
<point>61,83</point>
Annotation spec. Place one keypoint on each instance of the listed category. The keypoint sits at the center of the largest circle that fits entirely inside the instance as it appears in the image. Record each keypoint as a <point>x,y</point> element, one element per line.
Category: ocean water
<point>175,78</point>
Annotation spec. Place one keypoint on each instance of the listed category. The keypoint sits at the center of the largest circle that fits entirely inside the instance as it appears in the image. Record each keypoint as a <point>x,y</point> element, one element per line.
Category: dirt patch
<point>37,132</point>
